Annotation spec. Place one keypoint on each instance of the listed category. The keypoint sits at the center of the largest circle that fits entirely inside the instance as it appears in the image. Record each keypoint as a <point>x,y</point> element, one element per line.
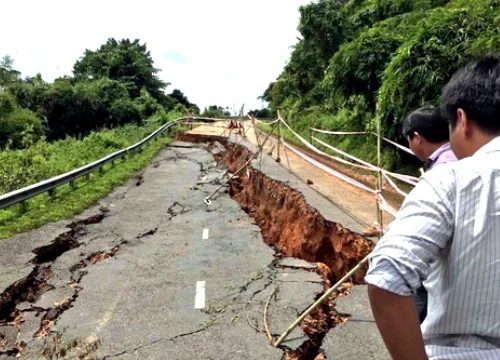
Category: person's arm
<point>405,256</point>
<point>398,323</point>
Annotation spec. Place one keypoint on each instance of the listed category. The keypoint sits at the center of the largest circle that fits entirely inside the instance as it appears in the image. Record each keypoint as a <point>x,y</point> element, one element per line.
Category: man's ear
<point>417,137</point>
<point>464,125</point>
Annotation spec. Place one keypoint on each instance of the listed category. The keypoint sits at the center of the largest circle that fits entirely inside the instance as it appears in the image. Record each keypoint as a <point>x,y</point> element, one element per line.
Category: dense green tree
<point>424,63</point>
<point>146,105</point>
<point>215,111</point>
<point>7,72</point>
<point>112,86</point>
<point>264,113</point>
<point>356,56</point>
<point>180,98</point>
<point>18,127</point>
<point>126,61</point>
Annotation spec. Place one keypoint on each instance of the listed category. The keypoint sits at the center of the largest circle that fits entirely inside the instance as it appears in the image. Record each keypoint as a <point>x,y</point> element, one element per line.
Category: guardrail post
<point>52,193</point>
<point>87,176</point>
<point>23,207</point>
<point>101,170</point>
<point>72,184</point>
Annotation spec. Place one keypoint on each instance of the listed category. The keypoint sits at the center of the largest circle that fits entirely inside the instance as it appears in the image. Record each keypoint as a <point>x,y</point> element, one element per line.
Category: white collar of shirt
<point>493,145</point>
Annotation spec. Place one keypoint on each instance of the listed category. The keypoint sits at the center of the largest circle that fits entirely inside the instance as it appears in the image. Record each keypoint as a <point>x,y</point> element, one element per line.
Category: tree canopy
<point>111,86</point>
<point>126,61</point>
<point>356,56</point>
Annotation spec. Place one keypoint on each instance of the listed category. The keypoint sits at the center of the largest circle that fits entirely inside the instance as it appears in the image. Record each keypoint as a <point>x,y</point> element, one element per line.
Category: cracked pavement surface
<point>127,291</point>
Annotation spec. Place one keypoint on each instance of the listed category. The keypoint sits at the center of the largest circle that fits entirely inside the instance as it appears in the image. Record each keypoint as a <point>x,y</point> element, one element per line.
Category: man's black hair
<point>475,88</point>
<point>428,122</point>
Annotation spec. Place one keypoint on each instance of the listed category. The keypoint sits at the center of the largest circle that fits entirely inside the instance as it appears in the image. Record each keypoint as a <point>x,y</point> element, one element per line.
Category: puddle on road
<point>295,229</point>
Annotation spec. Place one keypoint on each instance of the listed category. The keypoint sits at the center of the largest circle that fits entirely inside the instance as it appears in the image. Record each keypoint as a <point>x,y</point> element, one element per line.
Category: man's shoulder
<point>463,172</point>
<point>446,155</point>
<point>442,177</point>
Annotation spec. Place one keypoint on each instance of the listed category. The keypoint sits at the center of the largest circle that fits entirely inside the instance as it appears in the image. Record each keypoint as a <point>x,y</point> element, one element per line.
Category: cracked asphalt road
<point>127,291</point>
<point>128,288</point>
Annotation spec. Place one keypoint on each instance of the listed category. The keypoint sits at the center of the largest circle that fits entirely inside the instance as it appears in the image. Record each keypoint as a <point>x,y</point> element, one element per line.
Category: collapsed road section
<point>295,229</point>
<point>154,272</point>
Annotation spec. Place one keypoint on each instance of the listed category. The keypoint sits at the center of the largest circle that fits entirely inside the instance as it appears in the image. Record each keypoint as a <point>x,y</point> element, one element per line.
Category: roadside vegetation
<point>357,61</point>
<point>113,99</point>
<point>20,168</point>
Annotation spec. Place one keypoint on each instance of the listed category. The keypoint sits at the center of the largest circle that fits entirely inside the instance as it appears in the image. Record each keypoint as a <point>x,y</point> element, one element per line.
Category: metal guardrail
<point>23,194</point>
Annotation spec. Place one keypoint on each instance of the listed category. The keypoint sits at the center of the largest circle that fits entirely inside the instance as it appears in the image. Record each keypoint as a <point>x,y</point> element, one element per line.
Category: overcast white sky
<point>222,52</point>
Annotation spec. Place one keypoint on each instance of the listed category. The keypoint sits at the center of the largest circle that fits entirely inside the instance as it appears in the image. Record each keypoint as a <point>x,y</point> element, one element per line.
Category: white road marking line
<point>205,234</point>
<point>199,299</point>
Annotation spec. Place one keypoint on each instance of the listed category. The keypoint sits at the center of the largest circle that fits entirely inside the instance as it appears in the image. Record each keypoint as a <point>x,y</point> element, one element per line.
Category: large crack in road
<point>16,300</point>
<point>295,229</point>
<point>30,323</point>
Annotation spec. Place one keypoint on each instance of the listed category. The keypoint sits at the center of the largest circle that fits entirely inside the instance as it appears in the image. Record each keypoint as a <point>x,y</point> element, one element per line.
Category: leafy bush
<point>424,64</point>
<point>357,56</point>
<point>18,127</point>
<point>20,168</point>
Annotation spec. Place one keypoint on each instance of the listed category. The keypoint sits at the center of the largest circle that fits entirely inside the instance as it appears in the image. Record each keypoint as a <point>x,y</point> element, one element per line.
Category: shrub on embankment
<point>356,56</point>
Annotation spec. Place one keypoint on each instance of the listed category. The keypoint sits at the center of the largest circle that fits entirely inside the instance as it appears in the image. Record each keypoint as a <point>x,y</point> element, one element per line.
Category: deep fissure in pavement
<point>65,241</point>
<point>297,230</point>
<point>77,273</point>
<point>30,288</point>
<point>27,289</point>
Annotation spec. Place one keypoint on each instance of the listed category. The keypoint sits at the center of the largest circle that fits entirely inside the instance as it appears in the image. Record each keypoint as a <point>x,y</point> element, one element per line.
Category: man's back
<point>464,286</point>
<point>455,246</point>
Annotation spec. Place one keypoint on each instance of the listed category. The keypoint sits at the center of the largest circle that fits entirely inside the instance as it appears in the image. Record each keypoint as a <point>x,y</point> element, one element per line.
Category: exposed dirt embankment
<point>287,222</point>
<point>295,228</point>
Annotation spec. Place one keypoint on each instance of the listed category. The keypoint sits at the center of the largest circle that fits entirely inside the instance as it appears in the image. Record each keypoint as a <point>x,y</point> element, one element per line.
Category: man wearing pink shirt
<point>428,135</point>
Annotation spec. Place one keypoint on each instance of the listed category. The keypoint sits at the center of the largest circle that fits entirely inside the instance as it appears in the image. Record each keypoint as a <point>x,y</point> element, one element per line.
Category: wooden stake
<point>310,132</point>
<point>279,141</point>
<point>379,180</point>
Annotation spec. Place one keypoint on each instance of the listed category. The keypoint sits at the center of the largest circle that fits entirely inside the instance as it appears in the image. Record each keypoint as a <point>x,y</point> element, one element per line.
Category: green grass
<point>63,156</point>
<point>287,134</point>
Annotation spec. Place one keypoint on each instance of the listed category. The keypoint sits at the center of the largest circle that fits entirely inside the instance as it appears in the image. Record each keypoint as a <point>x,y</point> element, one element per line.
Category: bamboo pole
<point>286,155</point>
<point>257,136</point>
<point>279,141</point>
<point>324,297</point>
<point>253,157</point>
<point>310,132</point>
<point>379,180</point>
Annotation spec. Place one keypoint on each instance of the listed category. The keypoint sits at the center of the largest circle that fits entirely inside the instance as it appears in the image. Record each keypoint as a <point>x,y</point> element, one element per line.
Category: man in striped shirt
<point>428,136</point>
<point>447,235</point>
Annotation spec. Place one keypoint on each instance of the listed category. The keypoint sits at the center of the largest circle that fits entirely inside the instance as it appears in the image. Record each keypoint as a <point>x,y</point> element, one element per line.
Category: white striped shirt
<point>447,234</point>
